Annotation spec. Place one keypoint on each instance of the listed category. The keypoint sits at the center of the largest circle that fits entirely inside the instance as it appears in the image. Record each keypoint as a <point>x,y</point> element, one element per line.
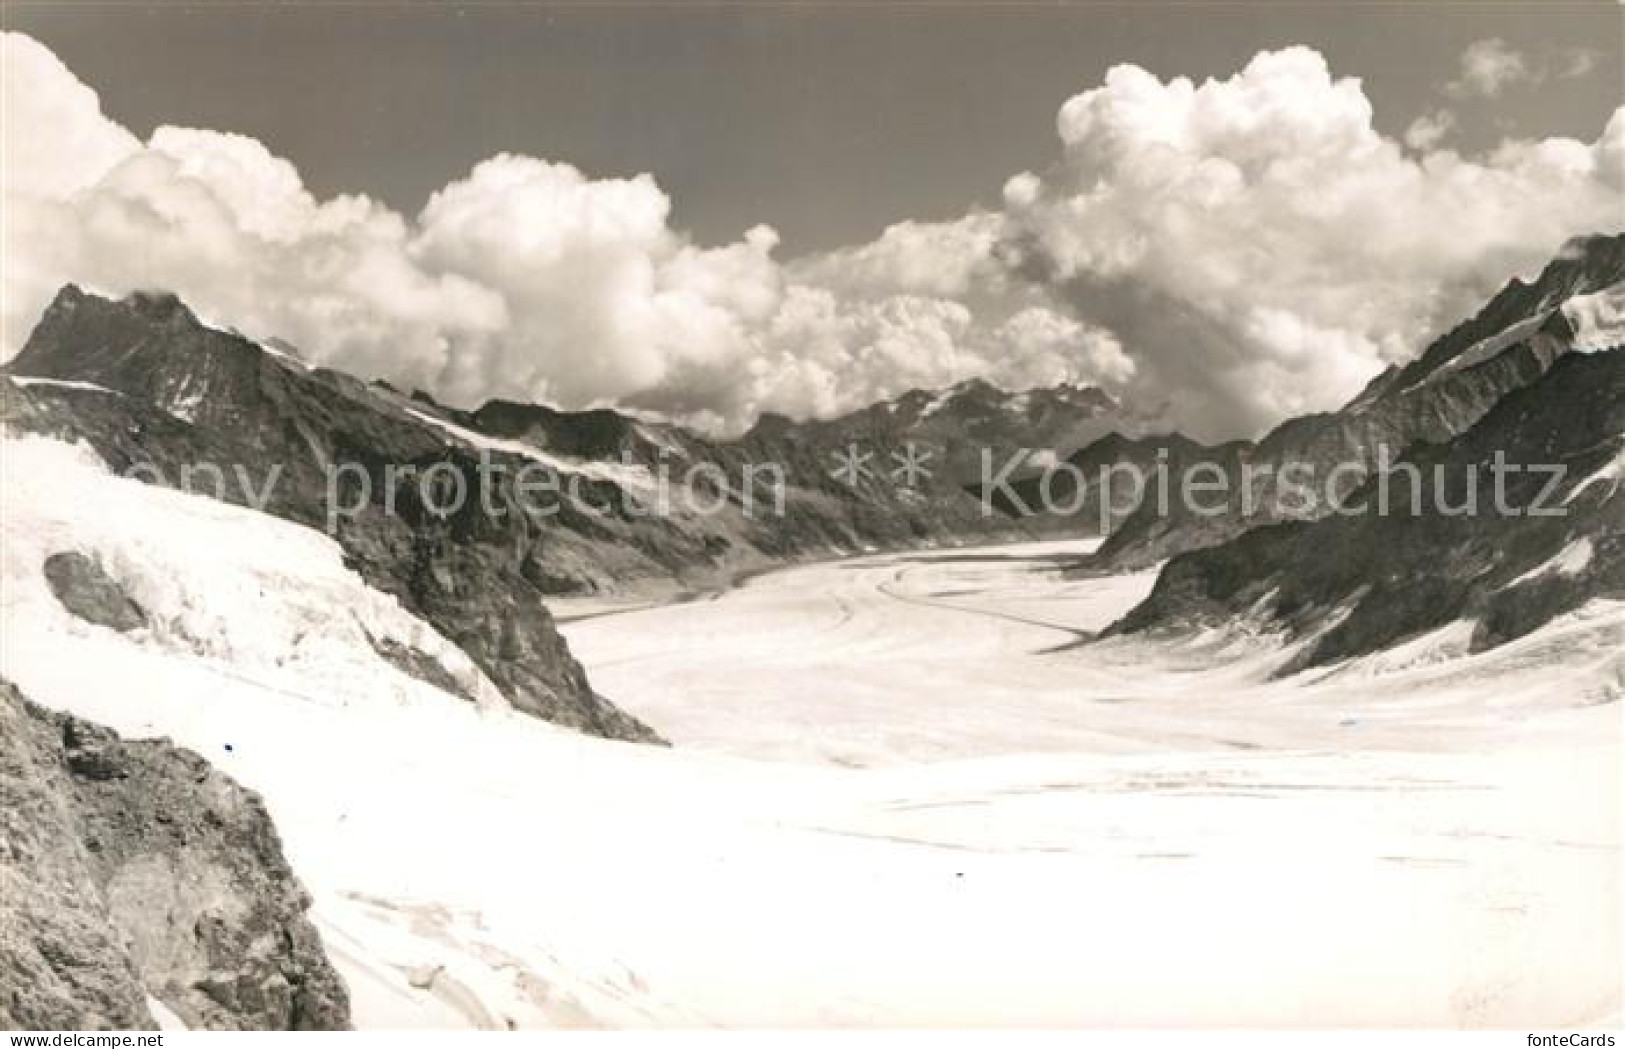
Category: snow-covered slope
<point>1598,319</point>
<point>291,617</point>
<point>474,867</point>
<point>261,653</point>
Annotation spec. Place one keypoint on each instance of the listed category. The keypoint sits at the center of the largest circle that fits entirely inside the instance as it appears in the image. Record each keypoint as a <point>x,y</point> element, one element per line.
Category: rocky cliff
<point>132,872</point>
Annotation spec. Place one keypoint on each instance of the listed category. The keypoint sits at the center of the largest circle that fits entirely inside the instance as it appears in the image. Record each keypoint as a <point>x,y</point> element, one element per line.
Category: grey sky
<point>827,121</point>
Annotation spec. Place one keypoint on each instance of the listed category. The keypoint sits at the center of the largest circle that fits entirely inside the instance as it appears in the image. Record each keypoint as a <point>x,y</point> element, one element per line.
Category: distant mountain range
<point>157,393</point>
<point>959,424</point>
<point>153,390</point>
<point>633,503</point>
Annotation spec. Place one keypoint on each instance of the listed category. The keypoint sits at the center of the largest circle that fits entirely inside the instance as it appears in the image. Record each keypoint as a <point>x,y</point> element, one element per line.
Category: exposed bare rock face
<point>1357,583</point>
<point>131,869</point>
<point>85,589</point>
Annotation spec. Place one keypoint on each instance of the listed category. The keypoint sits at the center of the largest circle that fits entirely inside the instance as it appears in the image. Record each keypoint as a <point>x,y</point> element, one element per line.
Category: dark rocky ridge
<point>1357,583</point>
<point>1449,387</point>
<point>183,395</point>
<point>131,869</point>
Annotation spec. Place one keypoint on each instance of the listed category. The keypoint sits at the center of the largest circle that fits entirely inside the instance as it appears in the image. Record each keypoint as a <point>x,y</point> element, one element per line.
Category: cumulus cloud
<point>221,221</point>
<point>55,136</point>
<point>944,259</point>
<point>1487,68</point>
<point>1577,62</point>
<point>524,279</point>
<point>1240,250</point>
<point>1429,129</point>
<point>604,300</point>
<point>1261,250</point>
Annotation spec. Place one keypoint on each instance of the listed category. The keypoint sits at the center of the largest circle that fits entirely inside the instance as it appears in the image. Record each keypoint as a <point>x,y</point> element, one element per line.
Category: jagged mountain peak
<point>164,306</point>
<point>154,304</point>
<point>149,345</point>
<point>769,425</point>
<point>1584,264</point>
<point>74,308</point>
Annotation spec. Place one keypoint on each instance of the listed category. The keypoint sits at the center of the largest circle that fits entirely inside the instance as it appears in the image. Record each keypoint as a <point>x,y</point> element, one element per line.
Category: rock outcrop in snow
<point>132,871</point>
<point>85,589</point>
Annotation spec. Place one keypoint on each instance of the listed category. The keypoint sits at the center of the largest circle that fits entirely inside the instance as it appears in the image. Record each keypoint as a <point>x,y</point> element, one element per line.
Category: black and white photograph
<point>924,515</point>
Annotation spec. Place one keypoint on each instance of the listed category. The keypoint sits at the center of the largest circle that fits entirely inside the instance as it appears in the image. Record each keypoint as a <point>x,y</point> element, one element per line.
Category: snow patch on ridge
<point>1484,349</point>
<point>63,384</point>
<point>1571,560</point>
<point>622,474</point>
<point>1598,319</point>
<point>1609,473</point>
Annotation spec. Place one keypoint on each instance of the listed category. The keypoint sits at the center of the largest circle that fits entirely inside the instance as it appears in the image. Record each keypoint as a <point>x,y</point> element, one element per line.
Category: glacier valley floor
<point>905,789</point>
